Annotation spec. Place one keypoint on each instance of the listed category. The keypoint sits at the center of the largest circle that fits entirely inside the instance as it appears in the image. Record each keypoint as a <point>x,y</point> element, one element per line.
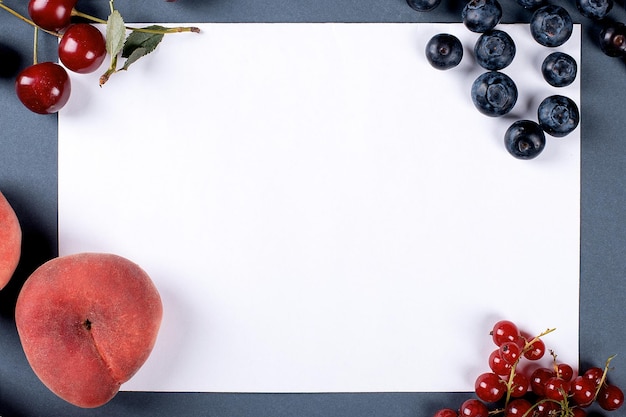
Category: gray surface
<point>28,179</point>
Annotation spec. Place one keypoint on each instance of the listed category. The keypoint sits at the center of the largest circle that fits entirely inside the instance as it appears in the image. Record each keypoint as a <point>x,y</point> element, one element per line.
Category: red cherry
<point>489,387</point>
<point>51,15</point>
<point>610,397</point>
<point>82,48</point>
<point>43,88</point>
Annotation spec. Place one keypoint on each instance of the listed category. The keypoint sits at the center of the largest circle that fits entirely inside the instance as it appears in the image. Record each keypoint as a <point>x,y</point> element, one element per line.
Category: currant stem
<point>528,345</point>
<point>603,379</point>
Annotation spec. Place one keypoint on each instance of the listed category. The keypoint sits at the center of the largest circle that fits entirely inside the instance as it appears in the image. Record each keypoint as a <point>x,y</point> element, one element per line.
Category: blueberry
<point>551,25</point>
<point>494,93</point>
<point>524,139</point>
<point>559,69</point>
<point>494,50</point>
<point>481,15</point>
<point>423,5</point>
<point>444,51</point>
<point>594,9</point>
<point>531,4</point>
<point>613,39</point>
<point>558,115</point>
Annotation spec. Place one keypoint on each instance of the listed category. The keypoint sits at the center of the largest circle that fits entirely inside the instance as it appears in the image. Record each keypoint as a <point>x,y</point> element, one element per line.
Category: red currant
<point>52,15</point>
<point>505,331</point>
<point>509,352</point>
<point>556,388</point>
<point>565,371</point>
<point>594,374</point>
<point>583,391</point>
<point>82,48</point>
<point>489,387</point>
<point>497,364</point>
<point>610,397</point>
<point>519,387</point>
<point>547,408</point>
<point>578,412</point>
<point>43,88</point>
<point>535,351</point>
<point>446,412</point>
<point>517,408</point>
<point>538,380</point>
<point>473,408</point>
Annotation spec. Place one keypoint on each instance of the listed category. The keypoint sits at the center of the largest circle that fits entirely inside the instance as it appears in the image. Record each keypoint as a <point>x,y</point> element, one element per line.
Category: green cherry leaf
<point>140,43</point>
<point>115,33</point>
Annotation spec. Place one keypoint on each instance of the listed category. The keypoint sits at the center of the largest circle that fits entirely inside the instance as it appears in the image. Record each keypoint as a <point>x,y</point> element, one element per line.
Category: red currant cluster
<point>45,87</point>
<point>534,392</point>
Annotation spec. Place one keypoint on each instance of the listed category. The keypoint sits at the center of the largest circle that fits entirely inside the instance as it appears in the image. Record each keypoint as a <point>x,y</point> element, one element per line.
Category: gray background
<point>28,178</point>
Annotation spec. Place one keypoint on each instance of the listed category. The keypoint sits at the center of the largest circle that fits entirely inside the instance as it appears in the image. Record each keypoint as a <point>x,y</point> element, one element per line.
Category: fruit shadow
<point>38,246</point>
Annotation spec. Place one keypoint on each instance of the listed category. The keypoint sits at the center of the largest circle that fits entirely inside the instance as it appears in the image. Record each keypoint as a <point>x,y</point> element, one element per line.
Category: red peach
<point>10,241</point>
<point>87,323</point>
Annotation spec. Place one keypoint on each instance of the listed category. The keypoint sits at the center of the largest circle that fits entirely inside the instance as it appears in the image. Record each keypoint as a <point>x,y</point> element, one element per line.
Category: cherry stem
<point>143,30</point>
<point>35,45</point>
<point>25,19</point>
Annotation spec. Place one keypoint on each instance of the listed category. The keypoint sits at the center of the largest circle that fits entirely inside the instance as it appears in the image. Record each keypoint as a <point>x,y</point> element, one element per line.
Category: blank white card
<point>321,210</point>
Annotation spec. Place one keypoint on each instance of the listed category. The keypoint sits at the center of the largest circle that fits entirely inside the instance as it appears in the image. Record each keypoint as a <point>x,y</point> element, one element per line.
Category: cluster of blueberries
<point>494,93</point>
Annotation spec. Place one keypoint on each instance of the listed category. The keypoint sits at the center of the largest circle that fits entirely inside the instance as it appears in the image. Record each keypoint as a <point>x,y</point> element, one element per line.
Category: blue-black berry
<point>613,39</point>
<point>494,93</point>
<point>423,5</point>
<point>558,115</point>
<point>494,50</point>
<point>594,9</point>
<point>481,15</point>
<point>559,69</point>
<point>444,51</point>
<point>531,4</point>
<point>524,139</point>
<point>551,25</point>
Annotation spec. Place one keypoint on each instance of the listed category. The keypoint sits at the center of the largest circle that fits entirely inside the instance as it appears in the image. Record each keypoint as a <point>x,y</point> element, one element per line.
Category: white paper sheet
<point>321,210</point>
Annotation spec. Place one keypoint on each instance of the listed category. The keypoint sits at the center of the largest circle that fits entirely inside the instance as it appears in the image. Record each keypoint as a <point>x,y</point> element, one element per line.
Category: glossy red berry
<point>547,408</point>
<point>519,386</point>
<point>556,388</point>
<point>538,380</point>
<point>52,15</point>
<point>473,408</point>
<point>82,48</point>
<point>517,408</point>
<point>565,371</point>
<point>578,412</point>
<point>499,365</point>
<point>610,397</point>
<point>505,331</point>
<point>43,88</point>
<point>489,387</point>
<point>446,412</point>
<point>535,351</point>
<point>594,374</point>
<point>583,391</point>
<point>509,352</point>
